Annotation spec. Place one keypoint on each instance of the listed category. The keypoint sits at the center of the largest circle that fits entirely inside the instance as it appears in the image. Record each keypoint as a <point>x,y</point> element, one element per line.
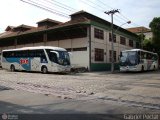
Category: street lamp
<point>112,67</point>
<point>128,22</point>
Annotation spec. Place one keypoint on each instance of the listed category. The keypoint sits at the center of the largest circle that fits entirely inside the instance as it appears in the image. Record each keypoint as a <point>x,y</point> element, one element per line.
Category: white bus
<point>138,60</point>
<point>41,58</point>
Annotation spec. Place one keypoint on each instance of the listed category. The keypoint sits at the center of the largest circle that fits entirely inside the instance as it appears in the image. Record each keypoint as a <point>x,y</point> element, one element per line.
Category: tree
<point>141,39</point>
<point>155,28</point>
<point>148,45</point>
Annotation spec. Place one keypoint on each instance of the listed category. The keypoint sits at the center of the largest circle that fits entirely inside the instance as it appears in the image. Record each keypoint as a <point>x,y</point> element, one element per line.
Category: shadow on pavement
<point>29,113</point>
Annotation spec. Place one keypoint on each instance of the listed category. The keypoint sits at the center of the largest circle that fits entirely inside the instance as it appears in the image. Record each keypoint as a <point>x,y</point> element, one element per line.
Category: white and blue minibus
<point>41,58</point>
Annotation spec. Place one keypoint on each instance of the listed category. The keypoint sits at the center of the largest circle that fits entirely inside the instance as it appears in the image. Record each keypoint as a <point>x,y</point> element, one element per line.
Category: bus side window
<point>4,54</point>
<point>148,56</point>
<point>142,55</point>
<point>53,57</point>
<point>155,57</point>
<point>145,55</point>
<point>43,58</point>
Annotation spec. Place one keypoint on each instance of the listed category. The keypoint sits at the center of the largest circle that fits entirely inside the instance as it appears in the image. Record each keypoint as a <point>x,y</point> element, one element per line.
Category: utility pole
<point>112,12</point>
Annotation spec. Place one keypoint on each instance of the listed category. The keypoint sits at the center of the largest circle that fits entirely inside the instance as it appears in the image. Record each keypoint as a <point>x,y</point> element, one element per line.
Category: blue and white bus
<point>41,58</point>
<point>138,60</point>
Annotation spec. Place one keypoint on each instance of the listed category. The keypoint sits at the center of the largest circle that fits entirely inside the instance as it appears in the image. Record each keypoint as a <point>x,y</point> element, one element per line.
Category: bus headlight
<point>135,66</point>
<point>61,61</point>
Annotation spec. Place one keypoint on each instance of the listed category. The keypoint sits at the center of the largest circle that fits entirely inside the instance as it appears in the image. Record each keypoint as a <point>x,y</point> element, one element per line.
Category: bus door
<point>35,64</point>
<point>38,61</point>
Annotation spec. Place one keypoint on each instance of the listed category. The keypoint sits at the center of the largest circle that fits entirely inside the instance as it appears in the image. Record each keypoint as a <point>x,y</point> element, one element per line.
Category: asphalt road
<point>82,93</point>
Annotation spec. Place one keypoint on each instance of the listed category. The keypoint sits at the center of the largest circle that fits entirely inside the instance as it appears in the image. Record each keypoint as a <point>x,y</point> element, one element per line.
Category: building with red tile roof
<point>87,36</point>
<point>142,30</point>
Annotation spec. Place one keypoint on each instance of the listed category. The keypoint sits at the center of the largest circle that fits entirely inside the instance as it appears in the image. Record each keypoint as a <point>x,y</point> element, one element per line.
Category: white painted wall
<point>80,59</point>
<point>65,43</point>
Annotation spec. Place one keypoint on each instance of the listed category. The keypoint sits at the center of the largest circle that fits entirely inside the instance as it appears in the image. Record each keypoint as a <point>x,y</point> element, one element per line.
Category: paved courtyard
<point>94,93</point>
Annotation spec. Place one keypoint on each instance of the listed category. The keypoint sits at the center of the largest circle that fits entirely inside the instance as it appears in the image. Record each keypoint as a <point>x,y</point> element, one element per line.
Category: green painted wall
<point>103,66</point>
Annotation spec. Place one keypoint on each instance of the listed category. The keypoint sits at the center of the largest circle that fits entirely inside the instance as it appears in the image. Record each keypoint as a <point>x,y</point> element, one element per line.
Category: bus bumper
<point>129,68</point>
<point>64,69</point>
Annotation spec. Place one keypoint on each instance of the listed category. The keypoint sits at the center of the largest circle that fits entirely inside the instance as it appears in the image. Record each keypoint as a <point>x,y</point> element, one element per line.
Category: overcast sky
<point>140,12</point>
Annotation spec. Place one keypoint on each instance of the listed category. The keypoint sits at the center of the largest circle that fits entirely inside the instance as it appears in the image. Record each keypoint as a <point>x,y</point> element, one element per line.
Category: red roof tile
<point>138,29</point>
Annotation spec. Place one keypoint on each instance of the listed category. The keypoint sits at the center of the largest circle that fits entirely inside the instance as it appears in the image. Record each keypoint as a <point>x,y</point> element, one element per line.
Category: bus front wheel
<point>12,68</point>
<point>44,70</point>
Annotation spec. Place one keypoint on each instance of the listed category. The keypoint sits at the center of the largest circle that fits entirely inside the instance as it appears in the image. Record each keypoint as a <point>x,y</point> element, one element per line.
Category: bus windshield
<point>64,58</point>
<point>128,58</point>
<point>59,57</point>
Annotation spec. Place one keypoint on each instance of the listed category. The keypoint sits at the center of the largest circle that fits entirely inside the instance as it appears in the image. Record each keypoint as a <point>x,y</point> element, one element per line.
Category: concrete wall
<point>80,59</point>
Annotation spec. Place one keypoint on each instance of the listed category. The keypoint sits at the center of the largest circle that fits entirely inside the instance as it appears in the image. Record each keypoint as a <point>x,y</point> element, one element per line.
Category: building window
<point>110,37</point>
<point>98,33</point>
<point>122,40</point>
<point>110,55</point>
<point>77,49</point>
<point>99,54</point>
<point>131,43</point>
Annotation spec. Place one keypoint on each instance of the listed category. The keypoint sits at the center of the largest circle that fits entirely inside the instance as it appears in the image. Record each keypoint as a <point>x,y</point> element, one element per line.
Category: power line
<point>60,5</point>
<point>45,8</point>
<point>104,4</point>
<point>97,7</point>
<point>124,17</point>
<point>49,6</point>
<point>41,3</point>
<point>118,18</point>
<point>85,2</point>
<point>64,5</point>
<point>68,8</point>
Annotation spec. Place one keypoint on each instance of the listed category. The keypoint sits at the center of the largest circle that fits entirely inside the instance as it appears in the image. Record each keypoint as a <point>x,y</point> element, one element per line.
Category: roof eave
<point>44,30</point>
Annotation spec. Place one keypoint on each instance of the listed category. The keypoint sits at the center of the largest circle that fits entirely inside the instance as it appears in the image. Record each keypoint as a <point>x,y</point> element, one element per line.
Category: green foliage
<point>148,45</point>
<point>141,36</point>
<point>155,28</point>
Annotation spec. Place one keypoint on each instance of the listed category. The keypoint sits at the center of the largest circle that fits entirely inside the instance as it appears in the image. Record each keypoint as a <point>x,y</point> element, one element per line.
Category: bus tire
<point>44,70</point>
<point>142,69</point>
<point>12,68</point>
